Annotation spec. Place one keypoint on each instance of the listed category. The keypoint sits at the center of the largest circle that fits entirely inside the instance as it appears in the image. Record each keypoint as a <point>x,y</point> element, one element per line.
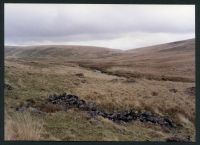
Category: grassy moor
<point>80,93</point>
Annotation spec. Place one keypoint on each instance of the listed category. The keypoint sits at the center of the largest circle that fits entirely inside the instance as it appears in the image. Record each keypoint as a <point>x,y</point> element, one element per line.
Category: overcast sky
<point>113,26</point>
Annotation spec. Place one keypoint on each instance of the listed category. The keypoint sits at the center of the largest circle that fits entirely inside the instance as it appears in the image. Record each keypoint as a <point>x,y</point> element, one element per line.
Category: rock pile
<point>69,101</point>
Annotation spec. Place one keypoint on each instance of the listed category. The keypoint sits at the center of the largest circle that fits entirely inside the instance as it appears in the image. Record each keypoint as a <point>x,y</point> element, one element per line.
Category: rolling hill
<point>139,94</point>
<point>68,51</point>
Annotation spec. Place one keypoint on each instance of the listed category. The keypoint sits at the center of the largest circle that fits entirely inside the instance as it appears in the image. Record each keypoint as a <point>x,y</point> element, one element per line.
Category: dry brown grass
<point>113,92</point>
<point>144,80</point>
<point>22,126</point>
<point>50,108</point>
<point>121,95</point>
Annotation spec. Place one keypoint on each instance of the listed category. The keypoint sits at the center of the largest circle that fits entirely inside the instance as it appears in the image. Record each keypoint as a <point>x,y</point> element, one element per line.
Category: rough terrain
<point>92,93</point>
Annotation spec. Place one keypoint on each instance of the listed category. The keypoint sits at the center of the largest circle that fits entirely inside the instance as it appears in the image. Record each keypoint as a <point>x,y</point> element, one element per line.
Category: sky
<point>113,26</point>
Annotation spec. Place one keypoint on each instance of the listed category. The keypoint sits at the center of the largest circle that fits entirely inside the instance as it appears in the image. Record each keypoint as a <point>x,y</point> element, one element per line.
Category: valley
<point>158,81</point>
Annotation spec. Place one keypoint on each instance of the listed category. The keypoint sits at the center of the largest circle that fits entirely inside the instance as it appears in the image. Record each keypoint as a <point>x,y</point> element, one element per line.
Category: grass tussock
<point>22,126</point>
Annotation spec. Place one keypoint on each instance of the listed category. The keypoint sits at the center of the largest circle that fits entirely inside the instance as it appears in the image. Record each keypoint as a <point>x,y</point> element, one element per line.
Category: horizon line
<point>37,45</point>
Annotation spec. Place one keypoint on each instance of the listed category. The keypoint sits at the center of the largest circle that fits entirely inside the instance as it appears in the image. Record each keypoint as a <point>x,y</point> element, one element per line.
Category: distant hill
<point>184,45</point>
<point>174,59</point>
<point>88,52</point>
<point>67,51</point>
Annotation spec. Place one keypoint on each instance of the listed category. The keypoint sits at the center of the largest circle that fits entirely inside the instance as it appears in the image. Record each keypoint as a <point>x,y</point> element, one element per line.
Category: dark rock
<point>151,119</point>
<point>102,113</point>
<point>146,114</point>
<point>69,96</point>
<point>91,106</point>
<point>82,102</point>
<point>129,118</point>
<point>168,122</point>
<point>93,113</point>
<point>71,101</point>
<point>82,106</point>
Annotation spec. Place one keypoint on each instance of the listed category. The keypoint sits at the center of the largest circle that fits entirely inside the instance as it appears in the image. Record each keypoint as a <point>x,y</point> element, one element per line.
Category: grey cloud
<point>93,22</point>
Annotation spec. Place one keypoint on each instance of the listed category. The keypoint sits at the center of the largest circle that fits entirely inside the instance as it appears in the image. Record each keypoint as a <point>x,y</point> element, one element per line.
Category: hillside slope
<point>67,51</point>
<point>171,59</point>
<point>136,95</point>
